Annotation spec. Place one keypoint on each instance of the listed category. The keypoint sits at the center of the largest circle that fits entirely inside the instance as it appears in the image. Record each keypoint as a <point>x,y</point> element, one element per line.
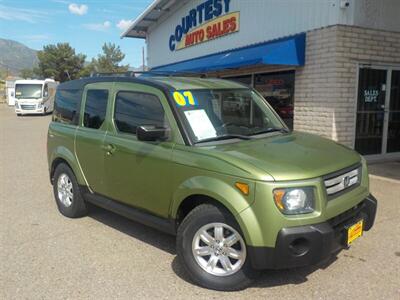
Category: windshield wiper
<point>225,137</point>
<point>271,129</point>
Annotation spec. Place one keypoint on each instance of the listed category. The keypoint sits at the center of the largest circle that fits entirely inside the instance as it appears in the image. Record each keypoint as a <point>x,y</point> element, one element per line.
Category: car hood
<point>292,156</point>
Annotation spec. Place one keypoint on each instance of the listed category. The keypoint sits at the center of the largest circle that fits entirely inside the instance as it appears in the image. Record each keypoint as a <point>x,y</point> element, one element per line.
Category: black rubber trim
<point>319,240</point>
<point>371,204</point>
<point>166,225</point>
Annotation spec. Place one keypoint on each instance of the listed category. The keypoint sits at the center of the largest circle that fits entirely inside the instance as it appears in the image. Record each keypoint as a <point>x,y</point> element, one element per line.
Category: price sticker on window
<point>184,98</point>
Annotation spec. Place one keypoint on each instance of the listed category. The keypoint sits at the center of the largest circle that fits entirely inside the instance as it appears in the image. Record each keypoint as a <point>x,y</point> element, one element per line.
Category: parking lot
<point>104,256</point>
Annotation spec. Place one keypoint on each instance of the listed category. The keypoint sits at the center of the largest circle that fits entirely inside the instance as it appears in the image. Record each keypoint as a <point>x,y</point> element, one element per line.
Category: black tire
<point>18,115</point>
<point>78,207</point>
<point>200,216</point>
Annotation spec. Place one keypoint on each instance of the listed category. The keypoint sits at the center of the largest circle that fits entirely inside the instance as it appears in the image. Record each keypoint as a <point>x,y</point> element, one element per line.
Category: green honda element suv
<point>211,162</point>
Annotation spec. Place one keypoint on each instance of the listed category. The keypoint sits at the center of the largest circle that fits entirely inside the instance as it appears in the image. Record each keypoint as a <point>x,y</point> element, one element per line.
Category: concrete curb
<point>384,178</point>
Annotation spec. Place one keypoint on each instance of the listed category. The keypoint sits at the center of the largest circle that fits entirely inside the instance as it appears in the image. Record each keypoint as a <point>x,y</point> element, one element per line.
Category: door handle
<point>110,149</point>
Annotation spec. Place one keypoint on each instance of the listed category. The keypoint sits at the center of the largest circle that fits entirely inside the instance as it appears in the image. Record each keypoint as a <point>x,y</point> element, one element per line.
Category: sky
<point>85,24</point>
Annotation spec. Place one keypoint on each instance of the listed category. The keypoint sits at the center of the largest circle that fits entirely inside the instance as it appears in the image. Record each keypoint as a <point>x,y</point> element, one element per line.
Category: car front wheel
<point>212,249</point>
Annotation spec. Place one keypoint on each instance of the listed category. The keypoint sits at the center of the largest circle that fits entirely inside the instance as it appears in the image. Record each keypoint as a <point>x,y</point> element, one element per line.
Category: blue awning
<point>289,51</point>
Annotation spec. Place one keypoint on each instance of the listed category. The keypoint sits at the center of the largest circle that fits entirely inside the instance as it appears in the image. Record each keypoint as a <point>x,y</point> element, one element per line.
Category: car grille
<point>28,107</point>
<point>342,181</point>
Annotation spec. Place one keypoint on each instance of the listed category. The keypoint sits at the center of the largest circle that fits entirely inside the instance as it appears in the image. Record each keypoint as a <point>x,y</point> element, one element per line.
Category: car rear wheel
<point>212,249</point>
<point>69,200</point>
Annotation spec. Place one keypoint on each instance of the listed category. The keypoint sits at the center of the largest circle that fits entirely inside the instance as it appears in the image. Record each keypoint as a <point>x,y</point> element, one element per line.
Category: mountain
<point>15,56</point>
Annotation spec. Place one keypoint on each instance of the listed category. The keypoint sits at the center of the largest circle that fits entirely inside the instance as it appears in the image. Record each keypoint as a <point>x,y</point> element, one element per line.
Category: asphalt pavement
<point>44,255</point>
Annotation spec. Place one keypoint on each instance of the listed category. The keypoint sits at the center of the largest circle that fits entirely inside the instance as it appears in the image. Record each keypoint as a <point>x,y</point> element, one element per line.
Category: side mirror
<point>45,94</point>
<point>152,133</point>
<point>12,94</point>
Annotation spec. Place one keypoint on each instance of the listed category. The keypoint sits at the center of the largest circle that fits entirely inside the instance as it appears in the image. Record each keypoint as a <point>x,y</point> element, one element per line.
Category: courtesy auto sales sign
<point>209,20</point>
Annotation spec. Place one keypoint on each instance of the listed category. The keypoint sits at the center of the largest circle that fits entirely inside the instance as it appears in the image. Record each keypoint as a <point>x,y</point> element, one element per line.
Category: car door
<point>90,134</point>
<point>138,173</point>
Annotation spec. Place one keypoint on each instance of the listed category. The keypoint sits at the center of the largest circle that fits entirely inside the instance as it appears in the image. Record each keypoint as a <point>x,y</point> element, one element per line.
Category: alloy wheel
<point>219,249</point>
<point>65,190</point>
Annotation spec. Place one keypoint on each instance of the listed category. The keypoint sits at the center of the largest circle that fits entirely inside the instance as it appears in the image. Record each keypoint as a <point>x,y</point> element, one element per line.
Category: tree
<point>60,62</point>
<point>88,69</point>
<point>109,61</point>
<point>3,74</point>
<point>27,73</point>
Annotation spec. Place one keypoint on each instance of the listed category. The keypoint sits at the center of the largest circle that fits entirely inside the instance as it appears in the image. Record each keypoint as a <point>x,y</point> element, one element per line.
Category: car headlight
<point>293,201</point>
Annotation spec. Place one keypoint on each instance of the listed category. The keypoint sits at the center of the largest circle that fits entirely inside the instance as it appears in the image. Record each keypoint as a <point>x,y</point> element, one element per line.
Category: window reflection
<point>277,88</point>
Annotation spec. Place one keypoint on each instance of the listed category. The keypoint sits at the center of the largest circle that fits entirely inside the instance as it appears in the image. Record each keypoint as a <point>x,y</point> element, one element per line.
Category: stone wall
<point>325,88</point>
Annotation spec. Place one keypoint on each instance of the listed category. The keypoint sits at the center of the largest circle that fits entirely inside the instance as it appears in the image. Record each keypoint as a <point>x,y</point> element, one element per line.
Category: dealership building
<point>329,67</point>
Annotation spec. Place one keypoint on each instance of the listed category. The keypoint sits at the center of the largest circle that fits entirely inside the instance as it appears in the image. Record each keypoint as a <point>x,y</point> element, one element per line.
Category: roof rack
<point>113,74</point>
<point>150,74</point>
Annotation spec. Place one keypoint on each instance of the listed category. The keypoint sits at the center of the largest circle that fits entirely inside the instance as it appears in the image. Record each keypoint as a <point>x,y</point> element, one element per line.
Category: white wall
<point>260,20</point>
<point>264,20</point>
<point>377,14</point>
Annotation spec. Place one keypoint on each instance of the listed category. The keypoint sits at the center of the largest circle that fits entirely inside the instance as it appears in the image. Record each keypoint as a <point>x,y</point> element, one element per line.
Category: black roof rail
<point>113,74</point>
<point>150,74</point>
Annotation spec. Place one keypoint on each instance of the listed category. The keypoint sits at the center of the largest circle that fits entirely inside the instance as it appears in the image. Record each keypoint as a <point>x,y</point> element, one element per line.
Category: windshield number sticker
<point>184,98</point>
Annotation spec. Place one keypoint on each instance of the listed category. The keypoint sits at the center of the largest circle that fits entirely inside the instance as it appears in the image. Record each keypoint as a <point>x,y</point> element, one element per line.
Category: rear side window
<point>137,109</point>
<point>95,108</point>
<point>65,106</point>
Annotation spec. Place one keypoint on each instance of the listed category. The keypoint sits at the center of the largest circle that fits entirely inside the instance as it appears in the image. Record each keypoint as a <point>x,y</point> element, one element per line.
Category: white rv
<point>34,96</point>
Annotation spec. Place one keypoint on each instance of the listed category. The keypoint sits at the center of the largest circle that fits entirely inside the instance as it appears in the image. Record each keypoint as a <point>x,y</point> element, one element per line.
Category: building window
<point>278,89</point>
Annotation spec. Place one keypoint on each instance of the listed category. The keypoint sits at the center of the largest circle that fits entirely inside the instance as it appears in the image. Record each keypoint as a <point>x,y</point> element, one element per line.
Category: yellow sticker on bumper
<point>354,232</point>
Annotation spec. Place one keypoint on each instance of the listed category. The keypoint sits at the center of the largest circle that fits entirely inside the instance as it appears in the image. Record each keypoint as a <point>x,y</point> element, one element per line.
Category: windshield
<point>222,114</point>
<point>31,91</point>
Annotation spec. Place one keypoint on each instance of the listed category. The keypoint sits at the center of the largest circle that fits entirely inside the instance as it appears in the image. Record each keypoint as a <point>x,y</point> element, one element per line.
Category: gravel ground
<point>104,256</point>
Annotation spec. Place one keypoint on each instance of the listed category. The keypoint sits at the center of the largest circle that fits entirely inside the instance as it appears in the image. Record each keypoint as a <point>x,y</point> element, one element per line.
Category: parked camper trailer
<point>34,96</point>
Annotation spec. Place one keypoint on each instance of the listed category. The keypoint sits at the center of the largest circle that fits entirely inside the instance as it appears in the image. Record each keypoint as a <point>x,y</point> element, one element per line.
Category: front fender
<point>221,190</point>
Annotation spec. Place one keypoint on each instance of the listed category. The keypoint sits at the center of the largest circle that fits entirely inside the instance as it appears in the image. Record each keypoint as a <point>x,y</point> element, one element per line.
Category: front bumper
<point>31,108</point>
<point>310,244</point>
<point>28,112</point>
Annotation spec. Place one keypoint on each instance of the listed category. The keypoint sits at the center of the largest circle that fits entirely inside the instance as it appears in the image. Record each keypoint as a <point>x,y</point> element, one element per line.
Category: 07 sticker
<point>184,98</point>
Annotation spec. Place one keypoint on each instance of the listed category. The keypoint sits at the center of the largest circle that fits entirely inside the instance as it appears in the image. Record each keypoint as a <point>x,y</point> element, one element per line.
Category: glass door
<point>370,111</point>
<point>393,134</point>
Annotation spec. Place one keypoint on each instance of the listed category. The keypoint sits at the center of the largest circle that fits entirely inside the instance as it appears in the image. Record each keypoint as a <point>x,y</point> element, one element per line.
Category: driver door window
<point>134,109</point>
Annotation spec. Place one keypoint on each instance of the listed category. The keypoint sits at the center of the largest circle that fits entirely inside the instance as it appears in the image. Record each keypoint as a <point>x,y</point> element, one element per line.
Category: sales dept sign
<point>209,20</point>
